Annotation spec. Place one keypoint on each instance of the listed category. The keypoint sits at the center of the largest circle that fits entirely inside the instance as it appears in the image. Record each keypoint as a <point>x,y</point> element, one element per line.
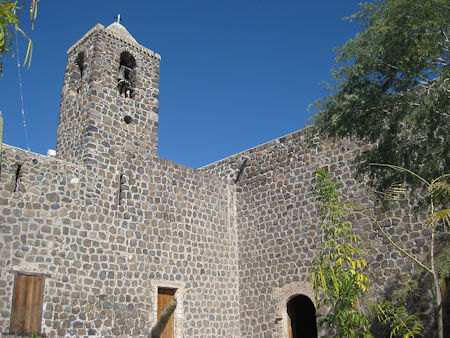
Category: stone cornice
<point>98,27</point>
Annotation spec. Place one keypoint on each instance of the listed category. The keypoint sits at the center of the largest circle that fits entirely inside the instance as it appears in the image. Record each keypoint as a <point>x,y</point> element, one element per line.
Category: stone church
<point>96,239</point>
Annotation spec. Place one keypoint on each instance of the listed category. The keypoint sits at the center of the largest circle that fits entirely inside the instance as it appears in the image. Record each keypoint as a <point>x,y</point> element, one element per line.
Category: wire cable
<point>21,94</point>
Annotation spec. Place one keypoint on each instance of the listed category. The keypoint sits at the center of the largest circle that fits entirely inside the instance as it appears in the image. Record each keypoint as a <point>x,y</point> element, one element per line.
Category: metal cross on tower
<point>118,18</point>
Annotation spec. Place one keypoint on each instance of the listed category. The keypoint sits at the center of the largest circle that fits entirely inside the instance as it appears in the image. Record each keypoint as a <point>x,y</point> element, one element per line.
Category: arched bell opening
<point>126,75</point>
<point>80,63</point>
<point>301,317</point>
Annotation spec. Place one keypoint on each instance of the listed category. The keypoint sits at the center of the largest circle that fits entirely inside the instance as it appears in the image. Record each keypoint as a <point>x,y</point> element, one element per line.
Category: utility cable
<point>21,94</point>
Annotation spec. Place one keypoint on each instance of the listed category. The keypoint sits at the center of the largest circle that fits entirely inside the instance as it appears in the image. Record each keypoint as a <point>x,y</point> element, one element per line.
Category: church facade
<point>96,239</point>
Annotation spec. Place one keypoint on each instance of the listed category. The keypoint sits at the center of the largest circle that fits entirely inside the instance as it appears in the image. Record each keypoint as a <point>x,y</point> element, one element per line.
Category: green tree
<point>393,314</point>
<point>9,24</point>
<point>391,89</point>
<point>338,275</point>
<point>438,221</point>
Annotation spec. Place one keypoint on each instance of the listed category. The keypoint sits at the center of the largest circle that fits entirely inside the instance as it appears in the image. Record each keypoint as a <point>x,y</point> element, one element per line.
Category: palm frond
<point>395,192</point>
<point>439,189</point>
<point>440,215</point>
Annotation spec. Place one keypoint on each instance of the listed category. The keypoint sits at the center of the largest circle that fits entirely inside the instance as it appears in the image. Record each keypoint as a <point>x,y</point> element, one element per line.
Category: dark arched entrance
<point>302,315</point>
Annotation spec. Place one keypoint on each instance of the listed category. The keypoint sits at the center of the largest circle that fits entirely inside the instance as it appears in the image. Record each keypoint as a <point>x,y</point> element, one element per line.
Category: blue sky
<point>234,74</point>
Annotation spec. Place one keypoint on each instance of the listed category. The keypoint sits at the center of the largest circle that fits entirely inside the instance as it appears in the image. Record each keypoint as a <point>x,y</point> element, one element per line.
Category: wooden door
<point>290,335</point>
<point>26,311</point>
<point>165,295</point>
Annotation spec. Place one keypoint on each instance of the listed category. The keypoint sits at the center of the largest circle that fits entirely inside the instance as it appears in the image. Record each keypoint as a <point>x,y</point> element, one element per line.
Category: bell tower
<point>109,101</point>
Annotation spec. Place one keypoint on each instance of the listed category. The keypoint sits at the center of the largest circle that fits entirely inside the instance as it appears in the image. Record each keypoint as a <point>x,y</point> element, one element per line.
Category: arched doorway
<point>301,317</point>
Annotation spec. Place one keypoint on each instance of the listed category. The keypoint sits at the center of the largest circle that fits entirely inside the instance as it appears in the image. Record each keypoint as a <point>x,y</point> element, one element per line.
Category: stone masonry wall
<point>236,238</point>
<point>102,261</point>
<point>279,227</point>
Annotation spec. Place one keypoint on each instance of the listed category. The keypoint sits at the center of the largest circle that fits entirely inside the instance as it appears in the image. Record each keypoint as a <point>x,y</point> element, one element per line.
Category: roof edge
<point>100,28</point>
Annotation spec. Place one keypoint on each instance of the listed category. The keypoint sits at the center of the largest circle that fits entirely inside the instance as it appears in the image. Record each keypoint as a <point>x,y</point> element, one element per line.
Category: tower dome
<point>117,29</point>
